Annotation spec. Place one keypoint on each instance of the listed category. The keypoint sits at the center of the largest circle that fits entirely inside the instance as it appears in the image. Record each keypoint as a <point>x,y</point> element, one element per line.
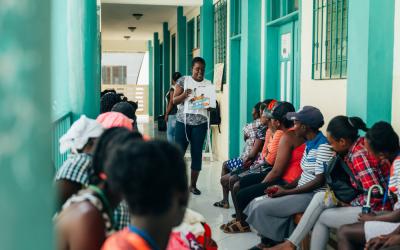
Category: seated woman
<point>272,216</point>
<point>154,213</point>
<point>238,165</point>
<point>289,150</point>
<point>86,219</point>
<point>324,211</point>
<point>249,134</point>
<point>72,176</point>
<point>383,142</point>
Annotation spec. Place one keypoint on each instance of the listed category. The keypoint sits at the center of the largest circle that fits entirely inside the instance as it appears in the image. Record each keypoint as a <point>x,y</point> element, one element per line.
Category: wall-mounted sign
<point>286,42</point>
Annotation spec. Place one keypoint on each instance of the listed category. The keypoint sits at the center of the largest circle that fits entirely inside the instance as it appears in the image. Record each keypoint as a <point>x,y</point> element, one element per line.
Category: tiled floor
<point>211,192</point>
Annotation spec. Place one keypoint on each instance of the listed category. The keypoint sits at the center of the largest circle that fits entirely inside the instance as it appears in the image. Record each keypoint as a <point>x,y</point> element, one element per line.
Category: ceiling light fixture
<point>131,28</point>
<point>127,37</point>
<point>137,15</point>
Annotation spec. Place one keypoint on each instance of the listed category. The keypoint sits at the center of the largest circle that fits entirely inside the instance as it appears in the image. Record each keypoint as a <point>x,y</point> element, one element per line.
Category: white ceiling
<point>157,2</point>
<point>116,18</point>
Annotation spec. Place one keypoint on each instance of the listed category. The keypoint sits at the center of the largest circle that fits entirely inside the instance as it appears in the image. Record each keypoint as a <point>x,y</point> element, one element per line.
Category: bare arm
<point>318,182</point>
<point>180,94</point>
<point>283,157</point>
<point>258,144</point>
<point>90,233</point>
<point>170,103</point>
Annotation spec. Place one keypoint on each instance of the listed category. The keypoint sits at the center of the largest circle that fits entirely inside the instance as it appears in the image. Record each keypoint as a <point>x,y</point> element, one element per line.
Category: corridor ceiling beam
<point>157,2</point>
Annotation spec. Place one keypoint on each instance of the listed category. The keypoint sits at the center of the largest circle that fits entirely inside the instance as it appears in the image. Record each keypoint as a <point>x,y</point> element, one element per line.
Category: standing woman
<point>170,113</point>
<point>191,126</point>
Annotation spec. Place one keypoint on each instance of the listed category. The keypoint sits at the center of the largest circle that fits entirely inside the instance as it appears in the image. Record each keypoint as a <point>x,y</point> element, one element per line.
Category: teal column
<point>207,36</point>
<point>181,41</point>
<point>234,85</point>
<point>91,62</point>
<point>75,58</point>
<point>251,59</point>
<point>151,82</point>
<point>26,191</point>
<point>166,63</point>
<point>157,77</point>
<point>370,59</point>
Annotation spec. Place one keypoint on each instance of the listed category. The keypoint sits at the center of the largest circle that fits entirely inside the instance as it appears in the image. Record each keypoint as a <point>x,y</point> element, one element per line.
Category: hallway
<point>211,192</point>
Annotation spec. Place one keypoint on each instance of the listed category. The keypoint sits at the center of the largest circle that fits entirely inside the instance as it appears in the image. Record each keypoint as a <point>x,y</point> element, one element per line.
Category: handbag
<point>339,179</point>
<point>162,125</point>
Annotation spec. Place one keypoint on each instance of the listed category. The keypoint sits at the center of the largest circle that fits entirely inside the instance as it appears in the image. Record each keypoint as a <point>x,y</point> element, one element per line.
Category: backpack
<point>338,177</point>
<point>215,116</point>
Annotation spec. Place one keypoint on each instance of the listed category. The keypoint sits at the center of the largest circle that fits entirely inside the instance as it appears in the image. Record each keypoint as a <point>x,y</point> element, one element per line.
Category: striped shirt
<point>394,183</point>
<point>316,155</point>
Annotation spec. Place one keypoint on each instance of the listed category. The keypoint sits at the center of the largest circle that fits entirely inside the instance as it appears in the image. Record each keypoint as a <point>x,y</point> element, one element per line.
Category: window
<point>330,39</point>
<point>114,74</point>
<point>198,31</point>
<point>281,8</point>
<point>220,31</point>
<point>236,13</point>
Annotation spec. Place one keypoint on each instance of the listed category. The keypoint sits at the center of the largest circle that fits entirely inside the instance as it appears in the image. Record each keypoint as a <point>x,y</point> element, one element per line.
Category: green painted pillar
<point>207,36</point>
<point>26,191</point>
<point>157,77</point>
<point>151,82</point>
<point>181,41</point>
<point>75,58</point>
<point>370,59</point>
<point>251,59</point>
<point>166,63</point>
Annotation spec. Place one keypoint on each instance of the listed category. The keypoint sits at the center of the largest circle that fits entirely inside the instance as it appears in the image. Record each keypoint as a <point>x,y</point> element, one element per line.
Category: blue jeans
<point>196,136</point>
<point>171,128</point>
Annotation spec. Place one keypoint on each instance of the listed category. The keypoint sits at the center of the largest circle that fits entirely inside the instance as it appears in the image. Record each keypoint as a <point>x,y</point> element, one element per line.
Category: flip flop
<point>222,204</point>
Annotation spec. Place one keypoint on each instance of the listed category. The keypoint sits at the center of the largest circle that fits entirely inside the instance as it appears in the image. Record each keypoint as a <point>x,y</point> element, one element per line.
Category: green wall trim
<point>234,87</point>
<point>207,36</point>
<point>151,82</point>
<point>166,63</point>
<point>26,174</point>
<point>181,41</point>
<point>370,59</point>
<point>253,50</point>
<point>156,76</point>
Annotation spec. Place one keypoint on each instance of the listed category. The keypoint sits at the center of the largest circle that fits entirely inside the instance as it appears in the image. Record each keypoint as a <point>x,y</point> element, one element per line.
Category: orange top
<point>125,240</point>
<point>270,148</point>
<point>293,171</point>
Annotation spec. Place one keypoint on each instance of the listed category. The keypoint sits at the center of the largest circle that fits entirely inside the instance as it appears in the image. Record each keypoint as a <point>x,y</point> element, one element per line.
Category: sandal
<point>222,204</point>
<point>236,227</point>
<point>223,226</point>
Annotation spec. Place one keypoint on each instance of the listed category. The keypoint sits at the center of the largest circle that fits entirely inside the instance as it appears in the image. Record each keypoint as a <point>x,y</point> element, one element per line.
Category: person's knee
<point>236,187</point>
<point>343,232</point>
<point>232,181</point>
<point>225,180</point>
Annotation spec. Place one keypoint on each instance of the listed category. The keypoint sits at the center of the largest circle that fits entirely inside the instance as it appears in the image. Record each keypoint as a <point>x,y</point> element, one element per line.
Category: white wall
<point>328,95</point>
<point>124,46</point>
<point>132,61</point>
<point>396,70</point>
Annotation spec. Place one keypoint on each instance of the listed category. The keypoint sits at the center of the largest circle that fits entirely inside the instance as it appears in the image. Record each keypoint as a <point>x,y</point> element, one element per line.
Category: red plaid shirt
<point>368,171</point>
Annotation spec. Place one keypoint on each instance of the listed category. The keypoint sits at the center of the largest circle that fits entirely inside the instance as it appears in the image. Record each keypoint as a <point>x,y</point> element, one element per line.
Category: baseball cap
<point>307,115</point>
<point>124,108</point>
<point>280,110</point>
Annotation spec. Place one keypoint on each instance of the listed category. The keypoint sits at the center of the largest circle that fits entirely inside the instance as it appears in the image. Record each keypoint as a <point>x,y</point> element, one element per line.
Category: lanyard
<point>145,236</point>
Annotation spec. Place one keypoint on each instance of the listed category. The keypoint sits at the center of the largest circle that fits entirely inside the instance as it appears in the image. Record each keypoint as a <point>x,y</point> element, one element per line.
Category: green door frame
<point>189,45</point>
